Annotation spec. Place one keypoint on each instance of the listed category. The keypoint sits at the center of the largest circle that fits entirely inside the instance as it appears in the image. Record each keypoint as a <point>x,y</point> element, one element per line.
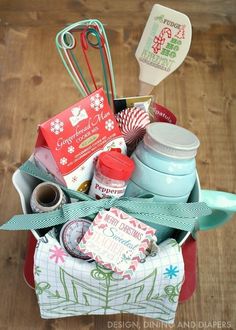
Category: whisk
<point>67,44</point>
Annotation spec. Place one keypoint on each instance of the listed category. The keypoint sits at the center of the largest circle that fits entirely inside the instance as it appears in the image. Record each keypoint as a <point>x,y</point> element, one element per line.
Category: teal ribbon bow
<point>181,216</point>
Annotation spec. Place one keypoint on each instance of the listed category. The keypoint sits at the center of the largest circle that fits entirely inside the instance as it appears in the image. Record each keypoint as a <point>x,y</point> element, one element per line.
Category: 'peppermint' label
<point>101,190</point>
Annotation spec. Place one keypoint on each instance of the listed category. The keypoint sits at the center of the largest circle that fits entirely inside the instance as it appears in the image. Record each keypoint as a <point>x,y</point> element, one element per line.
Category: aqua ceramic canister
<point>165,161</point>
<point>165,166</point>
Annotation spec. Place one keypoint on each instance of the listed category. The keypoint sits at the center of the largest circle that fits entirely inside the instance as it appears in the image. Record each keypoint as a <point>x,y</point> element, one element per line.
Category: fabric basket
<point>63,284</point>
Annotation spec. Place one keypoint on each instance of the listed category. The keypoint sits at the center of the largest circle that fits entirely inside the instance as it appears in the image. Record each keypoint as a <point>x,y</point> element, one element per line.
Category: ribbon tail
<point>68,212</point>
<point>34,221</point>
<point>31,169</point>
<point>150,206</point>
<point>186,224</point>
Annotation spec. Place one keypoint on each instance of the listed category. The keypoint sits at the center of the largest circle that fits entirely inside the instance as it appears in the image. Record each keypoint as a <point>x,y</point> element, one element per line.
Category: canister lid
<point>171,140</point>
<point>115,165</point>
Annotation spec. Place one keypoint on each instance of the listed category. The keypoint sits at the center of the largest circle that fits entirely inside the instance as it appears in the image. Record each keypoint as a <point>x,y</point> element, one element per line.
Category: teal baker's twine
<point>61,45</point>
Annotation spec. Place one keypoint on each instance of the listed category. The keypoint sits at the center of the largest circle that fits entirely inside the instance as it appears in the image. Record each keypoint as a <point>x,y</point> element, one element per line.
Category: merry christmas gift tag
<point>117,241</point>
<point>76,136</point>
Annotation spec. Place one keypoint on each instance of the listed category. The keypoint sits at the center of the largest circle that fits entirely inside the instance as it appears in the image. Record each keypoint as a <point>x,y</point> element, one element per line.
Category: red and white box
<point>69,143</point>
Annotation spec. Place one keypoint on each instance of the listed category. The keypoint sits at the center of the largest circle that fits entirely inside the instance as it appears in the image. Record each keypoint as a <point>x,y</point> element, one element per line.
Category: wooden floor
<point>34,86</point>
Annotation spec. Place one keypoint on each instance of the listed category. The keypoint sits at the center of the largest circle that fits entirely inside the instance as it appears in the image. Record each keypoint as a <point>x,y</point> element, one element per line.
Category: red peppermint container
<point>112,172</point>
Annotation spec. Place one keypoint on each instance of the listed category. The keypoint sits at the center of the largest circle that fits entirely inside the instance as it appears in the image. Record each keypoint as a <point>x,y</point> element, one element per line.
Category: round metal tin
<point>71,234</point>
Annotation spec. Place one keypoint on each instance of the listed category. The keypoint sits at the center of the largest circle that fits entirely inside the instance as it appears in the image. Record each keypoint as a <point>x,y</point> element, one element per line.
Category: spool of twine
<point>46,197</point>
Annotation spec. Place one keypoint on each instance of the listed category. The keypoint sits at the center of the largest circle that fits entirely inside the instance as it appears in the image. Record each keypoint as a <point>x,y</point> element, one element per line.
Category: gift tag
<point>117,241</point>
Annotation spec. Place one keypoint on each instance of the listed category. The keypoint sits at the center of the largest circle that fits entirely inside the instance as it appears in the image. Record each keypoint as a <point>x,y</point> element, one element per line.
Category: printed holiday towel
<point>67,286</point>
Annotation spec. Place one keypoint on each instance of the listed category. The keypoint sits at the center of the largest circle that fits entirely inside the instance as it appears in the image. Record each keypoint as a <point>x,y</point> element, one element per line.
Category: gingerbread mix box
<point>68,144</point>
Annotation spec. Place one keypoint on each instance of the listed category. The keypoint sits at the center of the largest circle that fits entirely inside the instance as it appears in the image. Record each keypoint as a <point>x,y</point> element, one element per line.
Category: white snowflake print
<point>71,149</point>
<point>63,161</point>
<point>109,125</point>
<point>96,102</point>
<point>57,126</point>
